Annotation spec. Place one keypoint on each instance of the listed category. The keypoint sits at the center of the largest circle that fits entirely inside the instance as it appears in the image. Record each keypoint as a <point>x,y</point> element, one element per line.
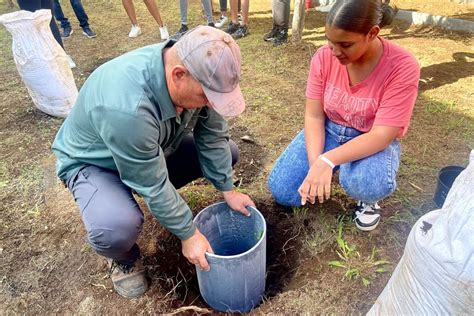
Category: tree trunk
<point>298,20</point>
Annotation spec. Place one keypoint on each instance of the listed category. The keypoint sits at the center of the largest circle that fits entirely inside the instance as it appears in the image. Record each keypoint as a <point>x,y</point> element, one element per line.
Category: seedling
<point>355,266</point>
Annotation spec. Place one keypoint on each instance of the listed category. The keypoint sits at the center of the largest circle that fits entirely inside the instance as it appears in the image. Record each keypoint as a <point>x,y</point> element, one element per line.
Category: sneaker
<point>70,62</point>
<point>88,32</point>
<point>222,20</point>
<point>211,24</point>
<point>366,216</point>
<point>232,28</point>
<point>280,38</point>
<point>182,30</point>
<point>135,31</point>
<point>66,33</point>
<point>241,32</point>
<point>270,36</point>
<point>129,280</point>
<point>164,33</point>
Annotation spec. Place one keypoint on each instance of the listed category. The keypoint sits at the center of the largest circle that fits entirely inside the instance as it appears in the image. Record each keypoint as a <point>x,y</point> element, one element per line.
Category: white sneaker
<point>135,31</point>
<point>222,20</point>
<point>71,62</point>
<point>366,216</point>
<point>164,33</point>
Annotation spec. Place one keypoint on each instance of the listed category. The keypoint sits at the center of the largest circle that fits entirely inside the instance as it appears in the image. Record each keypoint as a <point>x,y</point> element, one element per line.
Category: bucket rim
<point>451,168</point>
<point>264,235</point>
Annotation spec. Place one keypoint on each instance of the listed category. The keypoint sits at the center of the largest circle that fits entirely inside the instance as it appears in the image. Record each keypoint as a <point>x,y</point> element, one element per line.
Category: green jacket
<point>124,120</point>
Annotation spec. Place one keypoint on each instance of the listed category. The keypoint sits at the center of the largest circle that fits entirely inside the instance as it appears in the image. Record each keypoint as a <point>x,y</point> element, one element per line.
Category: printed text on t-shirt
<point>358,113</point>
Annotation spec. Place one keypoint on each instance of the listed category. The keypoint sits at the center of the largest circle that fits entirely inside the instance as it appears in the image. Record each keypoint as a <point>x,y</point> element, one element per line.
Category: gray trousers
<point>111,216</point>
<point>281,13</point>
<point>183,10</point>
<point>223,5</point>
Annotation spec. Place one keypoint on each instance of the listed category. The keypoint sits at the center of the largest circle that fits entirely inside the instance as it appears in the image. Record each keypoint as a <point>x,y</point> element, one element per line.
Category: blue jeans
<point>78,10</point>
<point>369,179</point>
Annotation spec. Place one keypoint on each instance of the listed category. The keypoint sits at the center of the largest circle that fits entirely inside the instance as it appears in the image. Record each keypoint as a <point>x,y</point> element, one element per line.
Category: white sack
<point>41,61</point>
<point>435,275</point>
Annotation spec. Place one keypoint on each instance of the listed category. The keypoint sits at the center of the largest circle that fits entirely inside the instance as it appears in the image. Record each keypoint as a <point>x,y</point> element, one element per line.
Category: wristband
<point>327,161</point>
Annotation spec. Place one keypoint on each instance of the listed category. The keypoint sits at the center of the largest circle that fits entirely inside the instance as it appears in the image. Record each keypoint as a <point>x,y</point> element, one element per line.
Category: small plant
<point>354,264</point>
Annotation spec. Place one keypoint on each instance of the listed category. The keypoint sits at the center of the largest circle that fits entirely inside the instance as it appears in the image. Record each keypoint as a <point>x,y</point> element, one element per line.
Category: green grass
<point>353,264</point>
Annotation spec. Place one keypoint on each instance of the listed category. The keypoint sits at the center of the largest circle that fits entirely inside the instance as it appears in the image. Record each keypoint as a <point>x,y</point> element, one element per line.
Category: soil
<point>48,266</point>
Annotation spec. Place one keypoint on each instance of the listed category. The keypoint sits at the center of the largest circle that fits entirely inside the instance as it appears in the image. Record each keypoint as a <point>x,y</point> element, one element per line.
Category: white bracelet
<point>327,161</point>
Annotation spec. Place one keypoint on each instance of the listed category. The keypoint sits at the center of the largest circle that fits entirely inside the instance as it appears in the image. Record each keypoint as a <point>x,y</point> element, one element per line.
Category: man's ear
<point>178,74</point>
<point>374,32</point>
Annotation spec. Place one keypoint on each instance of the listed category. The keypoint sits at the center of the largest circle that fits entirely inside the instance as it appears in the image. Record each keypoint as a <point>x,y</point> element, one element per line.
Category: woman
<point>359,99</point>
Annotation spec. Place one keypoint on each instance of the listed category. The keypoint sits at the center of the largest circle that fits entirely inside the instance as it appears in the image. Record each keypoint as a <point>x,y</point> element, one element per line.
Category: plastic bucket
<point>446,177</point>
<point>236,281</point>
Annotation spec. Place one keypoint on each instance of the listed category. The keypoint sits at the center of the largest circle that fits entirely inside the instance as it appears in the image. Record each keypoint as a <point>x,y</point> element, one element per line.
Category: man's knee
<point>115,237</point>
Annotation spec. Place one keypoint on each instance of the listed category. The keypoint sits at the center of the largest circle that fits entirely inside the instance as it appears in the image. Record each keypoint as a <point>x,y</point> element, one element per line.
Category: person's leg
<point>183,11</point>
<point>223,18</point>
<point>288,173</point>
<point>281,20</point>
<point>33,5</point>
<point>111,216</point>
<point>373,178</point>
<point>113,222</point>
<point>48,4</point>
<point>245,11</point>
<point>223,7</point>
<point>130,9</point>
<point>153,9</point>
<point>183,165</point>
<point>30,5</point>
<point>59,15</point>
<point>234,11</point>
<point>242,30</point>
<point>208,10</point>
<point>234,22</point>
<point>80,13</point>
<point>281,13</point>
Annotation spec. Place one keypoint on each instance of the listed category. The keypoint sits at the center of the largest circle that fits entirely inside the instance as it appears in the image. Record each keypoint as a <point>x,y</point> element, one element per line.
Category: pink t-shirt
<point>384,98</point>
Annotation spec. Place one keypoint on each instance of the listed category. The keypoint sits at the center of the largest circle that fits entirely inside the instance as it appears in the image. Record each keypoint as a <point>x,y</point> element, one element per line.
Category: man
<point>151,121</point>
<point>80,14</point>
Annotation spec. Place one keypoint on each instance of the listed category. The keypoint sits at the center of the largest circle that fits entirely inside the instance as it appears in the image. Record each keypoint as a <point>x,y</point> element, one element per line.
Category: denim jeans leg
<point>59,15</point>
<point>291,169</point>
<point>372,178</point>
<point>80,13</point>
<point>288,173</point>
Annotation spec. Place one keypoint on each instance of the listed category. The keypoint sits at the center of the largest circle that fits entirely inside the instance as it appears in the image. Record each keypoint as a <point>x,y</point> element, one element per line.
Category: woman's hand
<point>317,183</point>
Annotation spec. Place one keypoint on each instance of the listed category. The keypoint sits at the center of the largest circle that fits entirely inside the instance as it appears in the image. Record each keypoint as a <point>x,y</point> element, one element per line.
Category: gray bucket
<point>236,281</point>
<point>446,177</point>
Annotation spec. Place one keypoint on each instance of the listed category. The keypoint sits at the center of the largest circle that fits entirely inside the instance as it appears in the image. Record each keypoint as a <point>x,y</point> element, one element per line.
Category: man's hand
<point>238,201</point>
<point>195,248</point>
